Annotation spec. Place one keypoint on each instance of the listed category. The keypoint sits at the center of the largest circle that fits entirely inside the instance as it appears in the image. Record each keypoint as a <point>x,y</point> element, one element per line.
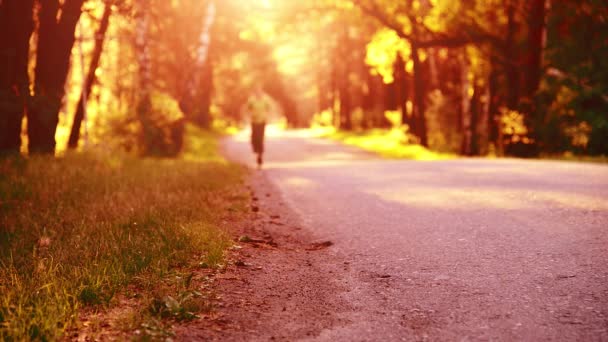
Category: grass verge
<point>388,143</point>
<point>394,143</point>
<point>577,158</point>
<point>76,230</point>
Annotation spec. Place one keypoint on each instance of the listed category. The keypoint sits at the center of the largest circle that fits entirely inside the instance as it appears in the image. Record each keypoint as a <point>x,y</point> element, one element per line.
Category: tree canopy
<point>473,77</point>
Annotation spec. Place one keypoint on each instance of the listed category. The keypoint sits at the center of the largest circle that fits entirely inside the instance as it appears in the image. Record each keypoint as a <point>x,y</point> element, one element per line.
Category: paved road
<point>452,250</point>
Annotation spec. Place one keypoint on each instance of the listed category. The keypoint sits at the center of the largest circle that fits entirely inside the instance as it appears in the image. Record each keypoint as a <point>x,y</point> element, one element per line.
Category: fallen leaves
<point>257,242</point>
<point>319,245</point>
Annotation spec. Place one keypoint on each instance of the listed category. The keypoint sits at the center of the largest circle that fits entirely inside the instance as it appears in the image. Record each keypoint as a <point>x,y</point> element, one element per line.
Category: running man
<point>259,108</point>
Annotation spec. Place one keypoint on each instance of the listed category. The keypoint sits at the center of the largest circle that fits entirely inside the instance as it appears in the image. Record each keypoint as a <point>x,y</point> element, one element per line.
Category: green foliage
<point>443,125</point>
<point>395,143</point>
<point>75,230</point>
<point>201,145</point>
<point>162,126</point>
<point>382,53</point>
<point>575,93</point>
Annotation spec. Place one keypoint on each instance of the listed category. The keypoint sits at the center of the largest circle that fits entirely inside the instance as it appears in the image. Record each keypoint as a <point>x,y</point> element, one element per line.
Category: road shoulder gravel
<point>278,284</point>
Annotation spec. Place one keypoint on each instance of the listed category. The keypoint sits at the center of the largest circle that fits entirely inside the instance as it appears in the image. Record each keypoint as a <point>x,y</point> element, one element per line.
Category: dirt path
<point>450,250</point>
<point>283,288</point>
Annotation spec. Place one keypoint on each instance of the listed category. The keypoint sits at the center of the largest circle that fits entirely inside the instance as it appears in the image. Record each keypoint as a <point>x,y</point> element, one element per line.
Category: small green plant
<point>90,296</point>
<point>184,307</point>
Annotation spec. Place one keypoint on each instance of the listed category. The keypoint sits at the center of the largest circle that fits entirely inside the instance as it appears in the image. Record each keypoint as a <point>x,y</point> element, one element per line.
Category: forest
<point>497,77</point>
<point>121,209</point>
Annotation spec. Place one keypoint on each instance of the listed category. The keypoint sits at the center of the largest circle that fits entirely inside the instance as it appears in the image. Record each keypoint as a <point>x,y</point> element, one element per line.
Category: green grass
<point>76,230</point>
<point>388,143</point>
<point>396,144</point>
<point>577,158</point>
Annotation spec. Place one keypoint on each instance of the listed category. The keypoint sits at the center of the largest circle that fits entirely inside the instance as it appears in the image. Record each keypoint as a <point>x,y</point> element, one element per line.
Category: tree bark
<point>90,80</point>
<point>465,107</point>
<point>433,75</point>
<point>205,90</point>
<point>334,85</point>
<point>374,102</point>
<point>494,124</point>
<point>55,42</point>
<point>345,106</point>
<point>401,80</point>
<point>149,132</point>
<point>511,58</point>
<point>536,28</point>
<point>200,89</point>
<point>419,99</point>
<point>344,82</point>
<point>535,47</point>
<point>16,26</point>
<point>475,104</point>
<point>484,120</point>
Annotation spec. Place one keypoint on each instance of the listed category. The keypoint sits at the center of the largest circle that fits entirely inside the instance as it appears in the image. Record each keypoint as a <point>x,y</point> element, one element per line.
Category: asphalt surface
<point>469,249</point>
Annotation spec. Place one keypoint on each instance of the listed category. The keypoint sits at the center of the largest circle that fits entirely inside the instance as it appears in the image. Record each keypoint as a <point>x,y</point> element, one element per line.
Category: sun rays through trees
<point>457,72</point>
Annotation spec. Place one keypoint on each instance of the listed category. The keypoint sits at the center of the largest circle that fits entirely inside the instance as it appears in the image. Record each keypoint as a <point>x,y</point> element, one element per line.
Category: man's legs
<point>257,140</point>
<point>261,146</point>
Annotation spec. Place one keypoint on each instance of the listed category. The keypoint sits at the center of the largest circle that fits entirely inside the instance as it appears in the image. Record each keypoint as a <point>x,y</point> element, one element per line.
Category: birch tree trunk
<point>196,100</point>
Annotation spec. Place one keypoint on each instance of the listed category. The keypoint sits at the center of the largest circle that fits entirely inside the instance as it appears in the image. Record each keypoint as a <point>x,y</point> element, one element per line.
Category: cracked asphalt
<point>467,249</point>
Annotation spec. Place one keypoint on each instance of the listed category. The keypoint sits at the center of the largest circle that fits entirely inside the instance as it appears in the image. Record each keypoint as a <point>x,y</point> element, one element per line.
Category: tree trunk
<point>475,104</point>
<point>345,107</point>
<point>483,126</point>
<point>465,108</point>
<point>494,124</point>
<point>16,25</point>
<point>419,101</point>
<point>205,90</point>
<point>536,28</point>
<point>334,85</point>
<point>55,42</point>
<point>322,101</point>
<point>373,103</point>
<point>201,86</point>
<point>90,80</point>
<point>368,101</point>
<point>433,75</point>
<point>536,38</point>
<point>511,58</point>
<point>401,81</point>
<point>149,133</point>
<point>344,87</point>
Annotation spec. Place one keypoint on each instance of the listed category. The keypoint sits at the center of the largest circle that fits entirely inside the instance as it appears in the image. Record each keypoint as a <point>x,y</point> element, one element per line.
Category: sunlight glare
<point>265,3</point>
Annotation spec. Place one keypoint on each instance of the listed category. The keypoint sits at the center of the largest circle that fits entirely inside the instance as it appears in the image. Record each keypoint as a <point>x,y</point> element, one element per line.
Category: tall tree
<point>144,101</point>
<point>195,99</point>
<point>536,44</point>
<point>16,25</point>
<point>344,67</point>
<point>57,24</point>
